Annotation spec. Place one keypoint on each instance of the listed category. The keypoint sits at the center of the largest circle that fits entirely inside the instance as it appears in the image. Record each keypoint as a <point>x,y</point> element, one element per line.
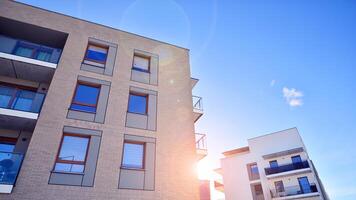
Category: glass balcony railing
<point>286,168</point>
<point>200,141</point>
<point>29,50</point>
<point>10,164</point>
<point>294,190</point>
<point>198,103</point>
<point>20,99</point>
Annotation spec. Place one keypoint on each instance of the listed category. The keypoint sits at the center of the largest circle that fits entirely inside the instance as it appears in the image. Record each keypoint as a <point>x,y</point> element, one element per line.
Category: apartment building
<point>273,166</point>
<point>91,112</point>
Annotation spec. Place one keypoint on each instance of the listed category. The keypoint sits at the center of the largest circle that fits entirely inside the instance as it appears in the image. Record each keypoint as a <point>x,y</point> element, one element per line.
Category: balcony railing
<point>286,168</point>
<point>20,99</point>
<point>29,50</point>
<point>200,141</point>
<point>198,103</point>
<point>294,190</point>
<point>10,164</point>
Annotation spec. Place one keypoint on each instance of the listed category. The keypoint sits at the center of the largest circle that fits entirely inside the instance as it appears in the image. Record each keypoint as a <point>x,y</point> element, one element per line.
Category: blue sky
<point>263,66</point>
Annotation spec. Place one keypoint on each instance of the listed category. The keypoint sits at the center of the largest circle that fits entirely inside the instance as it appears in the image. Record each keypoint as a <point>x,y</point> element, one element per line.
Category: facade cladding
<point>91,112</point>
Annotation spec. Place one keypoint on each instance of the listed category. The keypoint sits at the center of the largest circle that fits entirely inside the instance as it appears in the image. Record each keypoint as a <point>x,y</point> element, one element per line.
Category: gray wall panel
<point>131,179</point>
<point>65,179</point>
<point>73,114</point>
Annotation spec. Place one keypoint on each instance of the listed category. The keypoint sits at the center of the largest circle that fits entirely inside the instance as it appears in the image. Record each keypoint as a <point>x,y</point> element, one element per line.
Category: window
<point>304,185</point>
<point>72,154</point>
<point>258,190</point>
<point>296,159</point>
<point>273,164</point>
<point>141,63</point>
<point>279,186</point>
<point>85,98</point>
<point>133,155</point>
<point>33,51</point>
<point>253,171</point>
<point>138,103</point>
<point>96,53</point>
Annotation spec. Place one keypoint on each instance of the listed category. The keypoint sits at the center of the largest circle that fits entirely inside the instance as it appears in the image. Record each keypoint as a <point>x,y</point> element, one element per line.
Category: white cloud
<point>293,96</point>
<point>272,83</point>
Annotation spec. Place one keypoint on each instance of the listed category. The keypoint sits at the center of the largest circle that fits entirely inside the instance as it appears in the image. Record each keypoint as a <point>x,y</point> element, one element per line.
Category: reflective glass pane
<point>86,94</point>
<point>9,167</point>
<point>133,155</point>
<point>137,104</point>
<point>254,169</point>
<point>273,164</point>
<point>24,51</point>
<point>96,53</point>
<point>141,63</point>
<point>24,100</point>
<point>296,159</point>
<point>64,167</point>
<point>304,185</point>
<point>43,55</point>
<point>73,148</point>
<point>5,96</point>
<point>6,147</point>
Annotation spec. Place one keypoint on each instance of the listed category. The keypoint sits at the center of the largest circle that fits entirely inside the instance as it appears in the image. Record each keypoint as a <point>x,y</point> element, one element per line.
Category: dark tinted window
<point>296,159</point>
<point>133,155</point>
<point>85,98</point>
<point>279,186</point>
<point>273,163</point>
<point>304,185</point>
<point>138,103</point>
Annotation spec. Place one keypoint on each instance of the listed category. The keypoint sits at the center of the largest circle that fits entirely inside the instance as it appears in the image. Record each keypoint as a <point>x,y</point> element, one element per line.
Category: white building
<point>273,166</point>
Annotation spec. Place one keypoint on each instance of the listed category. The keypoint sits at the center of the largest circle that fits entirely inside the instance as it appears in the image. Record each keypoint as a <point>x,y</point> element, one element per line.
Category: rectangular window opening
<point>85,97</point>
<point>133,155</point>
<point>141,63</point>
<point>138,103</point>
<point>72,153</point>
<point>96,53</point>
<point>273,164</point>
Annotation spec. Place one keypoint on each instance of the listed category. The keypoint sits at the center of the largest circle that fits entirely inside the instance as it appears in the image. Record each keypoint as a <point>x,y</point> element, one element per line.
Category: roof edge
<point>236,151</point>
<point>95,23</point>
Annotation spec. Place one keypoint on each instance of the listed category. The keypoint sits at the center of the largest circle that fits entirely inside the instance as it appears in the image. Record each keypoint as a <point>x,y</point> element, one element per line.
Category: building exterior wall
<point>280,146</point>
<point>174,178</point>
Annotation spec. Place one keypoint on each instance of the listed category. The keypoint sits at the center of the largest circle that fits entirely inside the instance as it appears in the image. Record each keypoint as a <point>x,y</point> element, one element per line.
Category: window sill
<point>134,169</point>
<point>141,70</point>
<point>73,109</point>
<point>99,64</point>
<point>63,172</point>
<point>145,114</point>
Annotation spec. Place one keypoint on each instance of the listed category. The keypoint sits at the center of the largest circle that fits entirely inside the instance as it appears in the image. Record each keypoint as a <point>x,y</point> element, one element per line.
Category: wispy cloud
<point>272,83</point>
<point>293,97</point>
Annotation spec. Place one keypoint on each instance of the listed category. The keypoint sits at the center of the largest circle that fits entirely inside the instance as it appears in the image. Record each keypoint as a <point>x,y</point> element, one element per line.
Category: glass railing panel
<point>10,164</point>
<point>19,99</point>
<point>294,190</point>
<point>197,103</point>
<point>285,168</point>
<point>29,50</point>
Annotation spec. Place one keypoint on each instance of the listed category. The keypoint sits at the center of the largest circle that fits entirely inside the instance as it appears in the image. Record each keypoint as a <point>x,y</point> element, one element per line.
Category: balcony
<point>29,52</point>
<point>10,164</point>
<point>201,145</point>
<point>19,108</point>
<point>287,168</point>
<point>294,192</point>
<point>197,107</point>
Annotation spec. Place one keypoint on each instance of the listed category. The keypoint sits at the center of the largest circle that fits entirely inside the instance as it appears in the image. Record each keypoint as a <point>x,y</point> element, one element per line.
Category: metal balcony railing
<point>201,141</point>
<point>29,50</point>
<point>294,190</point>
<point>20,99</point>
<point>198,103</point>
<point>286,168</point>
<point>10,164</point>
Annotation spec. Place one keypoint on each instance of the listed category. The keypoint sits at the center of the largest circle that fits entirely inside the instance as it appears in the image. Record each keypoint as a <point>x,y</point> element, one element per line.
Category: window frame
<point>143,155</point>
<point>140,69</point>
<point>17,89</point>
<point>69,161</point>
<point>296,163</point>
<point>85,104</point>
<point>35,50</point>
<point>9,141</point>
<point>281,186</point>
<point>273,161</point>
<point>96,61</point>
<point>141,95</point>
